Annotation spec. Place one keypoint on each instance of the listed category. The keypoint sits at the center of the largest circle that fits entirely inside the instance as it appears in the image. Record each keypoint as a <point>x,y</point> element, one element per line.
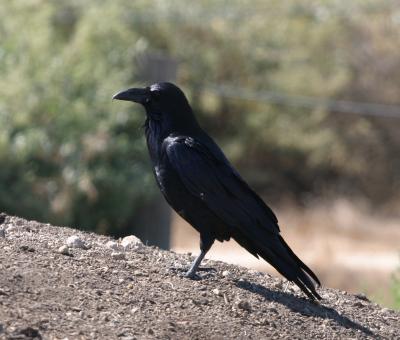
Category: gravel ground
<point>60,283</point>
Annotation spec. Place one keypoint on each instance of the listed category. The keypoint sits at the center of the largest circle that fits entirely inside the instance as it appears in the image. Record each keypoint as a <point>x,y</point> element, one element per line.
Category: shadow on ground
<point>302,306</point>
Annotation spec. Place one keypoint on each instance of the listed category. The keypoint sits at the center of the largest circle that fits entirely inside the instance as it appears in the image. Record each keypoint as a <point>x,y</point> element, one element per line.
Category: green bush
<point>395,289</point>
<point>69,155</point>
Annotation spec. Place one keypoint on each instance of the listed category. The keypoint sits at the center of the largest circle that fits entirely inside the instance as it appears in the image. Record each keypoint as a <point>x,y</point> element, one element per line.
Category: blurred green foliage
<point>395,289</point>
<point>69,155</point>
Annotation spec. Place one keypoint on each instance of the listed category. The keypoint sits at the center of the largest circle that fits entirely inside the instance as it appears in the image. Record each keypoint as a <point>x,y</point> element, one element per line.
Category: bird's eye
<point>155,95</point>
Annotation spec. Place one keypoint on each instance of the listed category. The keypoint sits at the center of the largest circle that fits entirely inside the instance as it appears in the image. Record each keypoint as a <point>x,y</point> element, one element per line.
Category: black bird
<point>202,186</point>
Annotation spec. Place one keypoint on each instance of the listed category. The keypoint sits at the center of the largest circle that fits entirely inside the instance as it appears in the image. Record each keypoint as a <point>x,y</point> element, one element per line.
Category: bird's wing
<point>208,176</point>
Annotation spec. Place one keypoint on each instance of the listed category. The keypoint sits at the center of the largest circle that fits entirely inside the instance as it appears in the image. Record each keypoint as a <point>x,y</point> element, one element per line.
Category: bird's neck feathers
<point>154,138</point>
<point>163,124</point>
<point>159,127</point>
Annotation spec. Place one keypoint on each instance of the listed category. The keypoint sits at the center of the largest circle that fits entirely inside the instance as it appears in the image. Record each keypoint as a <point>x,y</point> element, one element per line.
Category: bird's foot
<point>192,275</point>
<point>185,273</point>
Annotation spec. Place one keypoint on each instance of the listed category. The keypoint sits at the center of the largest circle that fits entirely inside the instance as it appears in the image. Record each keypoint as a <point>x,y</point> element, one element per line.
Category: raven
<point>201,185</point>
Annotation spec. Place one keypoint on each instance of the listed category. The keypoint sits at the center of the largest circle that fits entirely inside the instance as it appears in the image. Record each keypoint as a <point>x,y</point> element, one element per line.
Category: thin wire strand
<point>332,105</point>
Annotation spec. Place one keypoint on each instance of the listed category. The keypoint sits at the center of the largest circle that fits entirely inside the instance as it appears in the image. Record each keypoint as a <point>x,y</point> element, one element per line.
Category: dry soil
<point>100,290</point>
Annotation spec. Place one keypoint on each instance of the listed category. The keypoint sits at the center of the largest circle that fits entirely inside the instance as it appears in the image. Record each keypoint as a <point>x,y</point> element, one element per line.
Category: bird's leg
<point>205,244</point>
<point>191,273</point>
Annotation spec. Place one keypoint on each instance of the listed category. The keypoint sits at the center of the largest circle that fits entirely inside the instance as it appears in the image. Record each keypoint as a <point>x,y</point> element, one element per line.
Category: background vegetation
<point>69,155</point>
<point>289,89</point>
<point>395,288</point>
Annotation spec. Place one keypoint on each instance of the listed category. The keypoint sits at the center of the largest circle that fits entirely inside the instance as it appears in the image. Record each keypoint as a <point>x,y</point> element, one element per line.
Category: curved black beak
<point>134,95</point>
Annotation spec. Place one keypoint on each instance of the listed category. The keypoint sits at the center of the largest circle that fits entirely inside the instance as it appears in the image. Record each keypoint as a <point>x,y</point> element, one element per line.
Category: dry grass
<point>349,248</point>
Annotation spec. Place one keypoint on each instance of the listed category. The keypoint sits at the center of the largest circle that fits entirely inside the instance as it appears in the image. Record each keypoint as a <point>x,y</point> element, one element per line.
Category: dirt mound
<point>58,283</point>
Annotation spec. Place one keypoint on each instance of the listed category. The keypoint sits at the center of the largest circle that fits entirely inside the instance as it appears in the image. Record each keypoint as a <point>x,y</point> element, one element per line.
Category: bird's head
<point>163,102</point>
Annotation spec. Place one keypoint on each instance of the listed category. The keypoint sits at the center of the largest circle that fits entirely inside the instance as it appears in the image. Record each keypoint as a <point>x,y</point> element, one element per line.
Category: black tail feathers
<point>275,251</point>
<point>285,261</point>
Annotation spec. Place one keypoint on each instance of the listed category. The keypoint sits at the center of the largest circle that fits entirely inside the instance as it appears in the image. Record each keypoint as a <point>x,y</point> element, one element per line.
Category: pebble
<point>112,245</point>
<point>118,255</point>
<point>245,305</point>
<point>226,300</point>
<point>226,273</point>
<point>64,250</point>
<point>11,228</point>
<point>216,291</point>
<point>131,242</point>
<point>27,248</point>
<point>384,310</point>
<point>361,296</point>
<point>2,233</point>
<point>75,242</point>
<point>127,337</point>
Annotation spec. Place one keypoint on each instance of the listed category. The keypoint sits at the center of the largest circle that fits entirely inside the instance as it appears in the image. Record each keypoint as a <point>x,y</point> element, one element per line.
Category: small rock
<point>216,291</point>
<point>3,292</point>
<point>75,242</point>
<point>361,296</point>
<point>118,255</point>
<point>105,317</point>
<point>384,310</point>
<point>28,332</point>
<point>358,304</point>
<point>27,248</point>
<point>131,242</point>
<point>226,273</point>
<point>2,233</point>
<point>112,245</point>
<point>226,300</point>
<point>64,250</point>
<point>11,228</point>
<point>245,305</point>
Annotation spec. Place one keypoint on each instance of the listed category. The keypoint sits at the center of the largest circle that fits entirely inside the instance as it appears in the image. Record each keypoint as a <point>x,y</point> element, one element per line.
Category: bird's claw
<point>184,273</point>
<point>191,275</point>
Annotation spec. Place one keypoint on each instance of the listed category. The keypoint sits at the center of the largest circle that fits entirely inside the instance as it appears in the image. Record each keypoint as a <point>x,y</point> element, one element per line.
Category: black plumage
<point>202,186</point>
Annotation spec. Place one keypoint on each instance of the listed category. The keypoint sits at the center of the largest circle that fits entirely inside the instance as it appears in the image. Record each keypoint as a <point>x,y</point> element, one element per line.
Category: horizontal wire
<point>332,105</point>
